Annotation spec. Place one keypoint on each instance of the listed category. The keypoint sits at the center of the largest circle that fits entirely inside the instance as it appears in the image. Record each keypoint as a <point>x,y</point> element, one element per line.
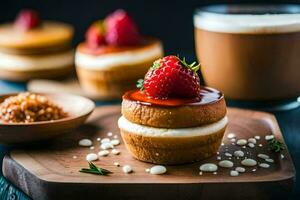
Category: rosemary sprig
<point>95,170</point>
<point>276,145</point>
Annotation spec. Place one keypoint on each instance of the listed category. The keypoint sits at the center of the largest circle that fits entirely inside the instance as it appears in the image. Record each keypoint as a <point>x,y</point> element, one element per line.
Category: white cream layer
<point>126,125</point>
<point>107,61</point>
<point>230,23</point>
<point>15,62</point>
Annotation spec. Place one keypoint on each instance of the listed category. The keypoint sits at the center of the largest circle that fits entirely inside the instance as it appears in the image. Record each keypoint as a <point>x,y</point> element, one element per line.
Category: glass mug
<point>250,52</point>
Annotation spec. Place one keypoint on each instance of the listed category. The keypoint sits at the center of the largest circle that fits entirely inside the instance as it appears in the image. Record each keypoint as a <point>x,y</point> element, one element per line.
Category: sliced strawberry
<point>121,30</point>
<point>171,77</point>
<point>95,35</point>
<point>27,20</point>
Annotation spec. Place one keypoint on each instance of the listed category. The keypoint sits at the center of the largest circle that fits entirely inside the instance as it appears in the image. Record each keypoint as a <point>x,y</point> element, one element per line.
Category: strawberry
<point>95,35</point>
<point>171,77</point>
<point>27,20</point>
<point>121,30</point>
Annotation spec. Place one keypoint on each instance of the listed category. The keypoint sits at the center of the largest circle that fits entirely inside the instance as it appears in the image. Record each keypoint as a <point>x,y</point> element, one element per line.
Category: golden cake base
<point>172,150</point>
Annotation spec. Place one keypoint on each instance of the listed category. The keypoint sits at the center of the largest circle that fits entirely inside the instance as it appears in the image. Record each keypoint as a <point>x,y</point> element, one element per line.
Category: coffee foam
<point>246,23</point>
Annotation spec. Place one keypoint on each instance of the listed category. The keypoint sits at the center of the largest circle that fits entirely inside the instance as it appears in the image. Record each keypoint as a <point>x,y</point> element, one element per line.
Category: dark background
<point>171,21</point>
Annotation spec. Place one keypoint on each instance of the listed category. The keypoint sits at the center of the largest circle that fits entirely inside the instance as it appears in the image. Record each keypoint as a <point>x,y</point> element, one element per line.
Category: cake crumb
<point>269,137</point>
<point>127,169</point>
<point>228,154</point>
<point>270,160</point>
<point>241,142</point>
<point>234,173</point>
<point>231,135</point>
<point>251,145</point>
<point>103,153</point>
<point>85,142</point>
<point>91,157</point>
<point>109,134</point>
<point>115,152</point>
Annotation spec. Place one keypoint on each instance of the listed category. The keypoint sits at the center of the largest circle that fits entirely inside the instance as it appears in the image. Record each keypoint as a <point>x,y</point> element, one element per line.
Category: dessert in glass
<point>171,119</point>
<point>113,56</point>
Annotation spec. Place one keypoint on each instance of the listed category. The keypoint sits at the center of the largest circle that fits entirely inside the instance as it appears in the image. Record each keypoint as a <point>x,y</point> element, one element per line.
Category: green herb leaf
<point>140,84</point>
<point>92,166</point>
<point>276,145</point>
<point>95,170</point>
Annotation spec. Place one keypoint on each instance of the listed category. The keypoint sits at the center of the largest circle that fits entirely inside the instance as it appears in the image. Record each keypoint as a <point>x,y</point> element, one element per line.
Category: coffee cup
<point>250,52</point>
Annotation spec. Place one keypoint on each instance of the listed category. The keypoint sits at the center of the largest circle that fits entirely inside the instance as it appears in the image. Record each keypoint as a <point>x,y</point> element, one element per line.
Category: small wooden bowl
<point>78,108</point>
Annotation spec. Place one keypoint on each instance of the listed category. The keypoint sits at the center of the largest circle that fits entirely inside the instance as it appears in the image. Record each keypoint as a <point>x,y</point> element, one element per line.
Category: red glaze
<point>107,49</point>
<point>207,95</point>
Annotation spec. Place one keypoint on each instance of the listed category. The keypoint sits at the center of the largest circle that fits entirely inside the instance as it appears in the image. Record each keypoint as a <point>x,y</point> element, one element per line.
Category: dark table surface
<point>289,122</point>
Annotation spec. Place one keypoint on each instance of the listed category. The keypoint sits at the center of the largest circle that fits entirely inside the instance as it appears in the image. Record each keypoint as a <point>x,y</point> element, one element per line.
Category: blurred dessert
<point>34,48</point>
<point>171,120</point>
<point>113,56</point>
<point>28,107</point>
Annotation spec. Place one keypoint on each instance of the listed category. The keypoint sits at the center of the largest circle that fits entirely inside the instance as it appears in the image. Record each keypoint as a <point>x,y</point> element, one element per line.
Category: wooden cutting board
<point>49,171</point>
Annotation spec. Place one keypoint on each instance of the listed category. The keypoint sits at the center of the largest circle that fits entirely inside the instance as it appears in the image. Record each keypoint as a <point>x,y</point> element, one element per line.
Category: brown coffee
<point>250,57</point>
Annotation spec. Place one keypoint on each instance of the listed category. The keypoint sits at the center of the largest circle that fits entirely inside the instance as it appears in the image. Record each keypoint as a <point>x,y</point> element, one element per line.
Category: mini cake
<point>171,120</point>
<point>32,48</point>
<point>114,56</point>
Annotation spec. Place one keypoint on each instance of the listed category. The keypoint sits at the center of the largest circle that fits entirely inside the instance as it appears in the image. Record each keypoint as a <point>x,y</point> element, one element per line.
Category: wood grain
<point>52,173</point>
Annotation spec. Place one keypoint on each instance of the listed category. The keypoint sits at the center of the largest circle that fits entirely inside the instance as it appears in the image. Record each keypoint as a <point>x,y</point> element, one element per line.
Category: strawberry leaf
<point>140,84</point>
<point>156,64</point>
